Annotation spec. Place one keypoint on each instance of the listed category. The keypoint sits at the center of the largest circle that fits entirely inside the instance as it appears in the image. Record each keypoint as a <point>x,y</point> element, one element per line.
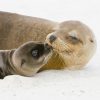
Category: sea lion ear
<point>73,34</point>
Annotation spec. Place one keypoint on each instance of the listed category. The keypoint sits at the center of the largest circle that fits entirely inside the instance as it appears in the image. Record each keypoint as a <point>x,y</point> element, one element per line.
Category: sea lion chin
<point>25,60</point>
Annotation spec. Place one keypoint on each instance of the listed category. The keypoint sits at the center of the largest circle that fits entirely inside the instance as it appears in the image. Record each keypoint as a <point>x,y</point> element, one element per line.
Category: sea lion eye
<point>35,53</point>
<point>74,38</point>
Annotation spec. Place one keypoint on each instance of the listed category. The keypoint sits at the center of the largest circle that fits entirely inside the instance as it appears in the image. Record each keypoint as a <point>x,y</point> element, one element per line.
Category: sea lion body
<point>17,29</point>
<point>26,60</point>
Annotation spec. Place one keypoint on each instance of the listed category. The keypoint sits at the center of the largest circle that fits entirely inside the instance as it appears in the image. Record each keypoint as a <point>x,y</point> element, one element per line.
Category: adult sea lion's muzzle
<point>52,38</point>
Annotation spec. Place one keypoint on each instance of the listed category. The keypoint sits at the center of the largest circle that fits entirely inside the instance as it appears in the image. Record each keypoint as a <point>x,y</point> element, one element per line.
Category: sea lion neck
<point>10,66</point>
<point>5,65</point>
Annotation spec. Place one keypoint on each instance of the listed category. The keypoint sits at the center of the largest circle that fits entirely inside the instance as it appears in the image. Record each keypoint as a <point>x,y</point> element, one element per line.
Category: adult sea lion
<point>75,44</point>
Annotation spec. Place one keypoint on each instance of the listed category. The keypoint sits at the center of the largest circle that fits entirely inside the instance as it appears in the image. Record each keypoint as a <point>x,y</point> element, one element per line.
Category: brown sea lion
<point>73,42</point>
<point>26,60</point>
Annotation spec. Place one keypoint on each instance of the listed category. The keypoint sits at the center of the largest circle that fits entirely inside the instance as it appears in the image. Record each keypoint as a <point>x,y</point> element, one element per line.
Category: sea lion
<point>17,29</point>
<point>26,60</point>
<point>73,42</point>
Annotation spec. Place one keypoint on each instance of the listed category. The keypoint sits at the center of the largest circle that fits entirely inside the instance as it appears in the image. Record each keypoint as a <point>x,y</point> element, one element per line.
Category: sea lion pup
<point>74,44</point>
<point>25,60</point>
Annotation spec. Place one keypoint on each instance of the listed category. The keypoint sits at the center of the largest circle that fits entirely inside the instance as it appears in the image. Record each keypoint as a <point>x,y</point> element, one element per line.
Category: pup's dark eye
<point>35,53</point>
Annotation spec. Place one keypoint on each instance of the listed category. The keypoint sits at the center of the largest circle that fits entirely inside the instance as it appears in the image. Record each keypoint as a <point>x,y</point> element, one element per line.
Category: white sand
<point>57,85</point>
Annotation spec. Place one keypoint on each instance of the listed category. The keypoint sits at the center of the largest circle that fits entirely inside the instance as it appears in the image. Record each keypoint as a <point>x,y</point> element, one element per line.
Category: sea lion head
<point>74,42</point>
<point>30,57</point>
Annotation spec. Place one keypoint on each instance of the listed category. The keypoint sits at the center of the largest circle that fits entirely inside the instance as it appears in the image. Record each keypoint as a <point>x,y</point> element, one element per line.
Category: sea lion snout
<point>52,38</point>
<point>48,48</point>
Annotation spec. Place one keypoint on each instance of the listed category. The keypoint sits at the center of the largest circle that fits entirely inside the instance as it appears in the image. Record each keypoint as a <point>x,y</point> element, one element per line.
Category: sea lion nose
<point>52,38</point>
<point>47,47</point>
